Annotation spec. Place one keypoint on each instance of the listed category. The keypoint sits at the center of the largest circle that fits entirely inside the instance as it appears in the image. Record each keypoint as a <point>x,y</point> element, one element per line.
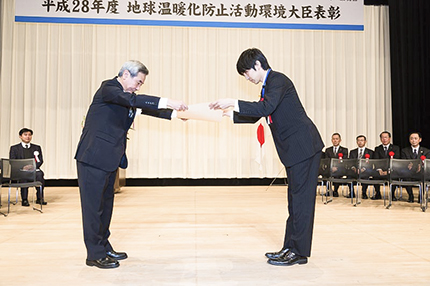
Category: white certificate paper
<point>201,111</point>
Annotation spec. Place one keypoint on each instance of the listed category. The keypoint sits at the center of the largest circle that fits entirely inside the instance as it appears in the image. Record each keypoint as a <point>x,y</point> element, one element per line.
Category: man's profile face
<point>252,76</point>
<point>335,139</point>
<point>26,137</point>
<point>256,74</point>
<point>133,84</point>
<point>414,139</point>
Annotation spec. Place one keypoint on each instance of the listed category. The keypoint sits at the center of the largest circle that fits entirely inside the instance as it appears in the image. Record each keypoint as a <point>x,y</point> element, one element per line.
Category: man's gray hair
<point>134,67</point>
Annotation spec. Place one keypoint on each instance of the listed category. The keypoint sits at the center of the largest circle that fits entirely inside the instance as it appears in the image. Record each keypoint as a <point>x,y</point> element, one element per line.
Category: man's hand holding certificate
<point>201,111</point>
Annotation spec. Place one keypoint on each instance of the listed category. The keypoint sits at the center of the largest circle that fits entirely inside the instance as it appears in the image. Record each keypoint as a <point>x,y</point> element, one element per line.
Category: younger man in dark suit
<point>27,150</point>
<point>383,151</point>
<point>359,153</point>
<point>297,141</point>
<point>333,152</point>
<point>414,152</point>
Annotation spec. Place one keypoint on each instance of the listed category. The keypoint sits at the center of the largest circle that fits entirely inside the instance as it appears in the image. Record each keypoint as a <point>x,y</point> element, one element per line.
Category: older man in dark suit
<point>297,141</point>
<point>27,150</point>
<point>383,151</point>
<point>415,151</point>
<point>101,150</point>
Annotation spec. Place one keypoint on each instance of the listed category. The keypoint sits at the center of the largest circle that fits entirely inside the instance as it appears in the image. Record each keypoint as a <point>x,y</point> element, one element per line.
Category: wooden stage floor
<point>215,236</point>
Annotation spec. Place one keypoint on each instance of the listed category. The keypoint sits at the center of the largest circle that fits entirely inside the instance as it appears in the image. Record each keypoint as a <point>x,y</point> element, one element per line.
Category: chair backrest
<point>373,168</point>
<point>21,170</point>
<point>426,170</point>
<point>343,168</point>
<point>5,170</point>
<point>406,169</point>
<point>324,169</point>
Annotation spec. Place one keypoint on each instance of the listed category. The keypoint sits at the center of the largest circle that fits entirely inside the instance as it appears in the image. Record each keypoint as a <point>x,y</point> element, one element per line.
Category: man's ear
<point>126,74</point>
<point>257,65</point>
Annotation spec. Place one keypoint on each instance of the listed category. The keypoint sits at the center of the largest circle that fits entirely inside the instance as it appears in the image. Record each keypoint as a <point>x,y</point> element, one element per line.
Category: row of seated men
<point>385,150</point>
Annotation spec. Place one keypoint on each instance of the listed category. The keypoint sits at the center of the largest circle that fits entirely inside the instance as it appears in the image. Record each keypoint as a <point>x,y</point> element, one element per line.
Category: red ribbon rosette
<point>367,156</point>
<point>340,156</point>
<point>423,157</point>
<point>391,154</point>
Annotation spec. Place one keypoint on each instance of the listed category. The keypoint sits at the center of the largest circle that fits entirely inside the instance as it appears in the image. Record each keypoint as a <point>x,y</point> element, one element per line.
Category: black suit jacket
<point>110,115</point>
<point>330,154</point>
<point>295,136</point>
<point>354,153</point>
<point>17,152</point>
<point>380,153</point>
<point>408,154</point>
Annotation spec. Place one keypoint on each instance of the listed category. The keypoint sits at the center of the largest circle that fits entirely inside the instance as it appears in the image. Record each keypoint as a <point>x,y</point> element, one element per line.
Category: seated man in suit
<point>383,151</point>
<point>359,153</point>
<point>415,151</point>
<point>333,152</point>
<point>27,150</point>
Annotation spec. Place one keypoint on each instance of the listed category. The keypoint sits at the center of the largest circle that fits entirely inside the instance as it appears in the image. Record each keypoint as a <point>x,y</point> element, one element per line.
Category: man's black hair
<point>25,130</point>
<point>248,58</point>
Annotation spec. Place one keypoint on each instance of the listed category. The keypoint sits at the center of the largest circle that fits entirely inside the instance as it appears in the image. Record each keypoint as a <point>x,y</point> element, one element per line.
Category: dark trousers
<point>39,193</point>
<point>411,193</point>
<point>96,189</point>
<point>337,185</point>
<point>302,185</point>
<point>378,190</point>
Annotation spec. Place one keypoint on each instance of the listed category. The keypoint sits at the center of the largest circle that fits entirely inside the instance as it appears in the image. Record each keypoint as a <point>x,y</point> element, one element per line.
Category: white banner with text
<point>268,14</point>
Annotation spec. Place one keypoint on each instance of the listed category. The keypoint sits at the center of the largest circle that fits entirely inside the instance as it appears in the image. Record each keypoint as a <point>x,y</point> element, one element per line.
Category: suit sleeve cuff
<point>162,103</point>
<point>174,114</point>
<point>236,106</point>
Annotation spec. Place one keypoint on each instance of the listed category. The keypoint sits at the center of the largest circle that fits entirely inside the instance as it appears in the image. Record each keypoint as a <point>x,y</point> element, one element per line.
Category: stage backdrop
<point>49,73</point>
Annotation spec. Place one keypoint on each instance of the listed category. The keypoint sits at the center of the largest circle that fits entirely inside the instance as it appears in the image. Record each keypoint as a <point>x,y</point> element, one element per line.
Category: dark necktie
<point>385,150</point>
<point>27,146</point>
<point>415,154</point>
<point>361,154</point>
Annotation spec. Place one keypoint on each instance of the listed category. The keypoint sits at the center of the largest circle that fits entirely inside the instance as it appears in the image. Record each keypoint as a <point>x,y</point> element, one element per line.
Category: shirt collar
<point>267,74</point>
<point>24,145</point>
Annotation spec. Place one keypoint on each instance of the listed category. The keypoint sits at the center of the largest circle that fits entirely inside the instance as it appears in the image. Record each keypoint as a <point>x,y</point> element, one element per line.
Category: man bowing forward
<point>101,150</point>
<point>298,144</point>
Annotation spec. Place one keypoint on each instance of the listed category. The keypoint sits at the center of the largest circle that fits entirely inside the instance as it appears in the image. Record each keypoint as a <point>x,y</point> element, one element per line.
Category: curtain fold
<point>53,70</point>
<point>410,38</point>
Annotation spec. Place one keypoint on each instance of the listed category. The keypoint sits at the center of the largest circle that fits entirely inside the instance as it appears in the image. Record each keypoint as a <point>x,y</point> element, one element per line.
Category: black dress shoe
<point>41,202</point>
<point>364,196</point>
<point>289,259</point>
<point>394,199</point>
<point>25,203</point>
<point>103,263</point>
<point>335,194</point>
<point>410,200</point>
<point>117,255</point>
<point>275,255</point>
